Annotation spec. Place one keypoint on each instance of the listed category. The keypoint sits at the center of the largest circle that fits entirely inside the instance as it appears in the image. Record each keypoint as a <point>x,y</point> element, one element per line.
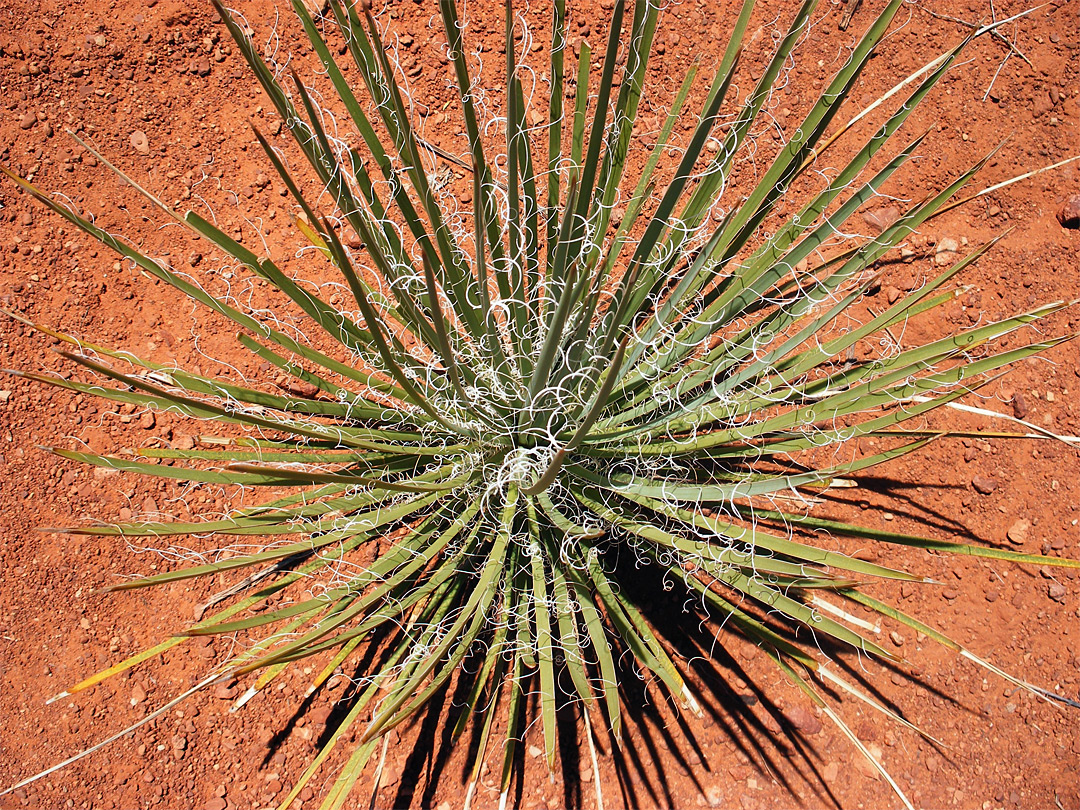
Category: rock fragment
<point>1069,213</point>
<point>882,218</point>
<point>226,690</point>
<point>803,720</point>
<point>139,142</point>
<point>1019,405</point>
<point>946,250</point>
<point>1018,533</point>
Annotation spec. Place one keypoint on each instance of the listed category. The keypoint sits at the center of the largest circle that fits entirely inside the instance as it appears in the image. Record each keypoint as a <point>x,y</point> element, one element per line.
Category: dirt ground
<point>154,85</point>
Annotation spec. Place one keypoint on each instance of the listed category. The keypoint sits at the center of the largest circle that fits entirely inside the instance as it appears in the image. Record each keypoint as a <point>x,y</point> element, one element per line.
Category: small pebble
<point>139,142</point>
<point>882,218</point>
<point>1068,215</point>
<point>864,766</point>
<point>1018,532</point>
<point>803,720</point>
<point>947,245</point>
<point>982,484</point>
<point>1020,406</point>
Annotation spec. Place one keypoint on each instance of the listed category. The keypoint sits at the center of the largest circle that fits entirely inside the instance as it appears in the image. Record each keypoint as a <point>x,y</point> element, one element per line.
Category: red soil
<point>165,70</point>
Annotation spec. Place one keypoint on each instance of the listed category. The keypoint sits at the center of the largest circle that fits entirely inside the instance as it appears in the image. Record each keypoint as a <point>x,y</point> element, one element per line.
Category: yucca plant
<point>592,371</point>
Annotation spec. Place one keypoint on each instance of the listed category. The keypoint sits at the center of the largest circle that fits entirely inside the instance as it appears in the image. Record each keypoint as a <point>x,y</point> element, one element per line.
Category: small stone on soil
<point>864,766</point>
<point>1020,407</point>
<point>1069,213</point>
<point>803,720</point>
<point>882,218</point>
<point>983,485</point>
<point>1018,532</point>
<point>946,250</point>
<point>390,777</point>
<point>139,142</point>
<point>300,388</point>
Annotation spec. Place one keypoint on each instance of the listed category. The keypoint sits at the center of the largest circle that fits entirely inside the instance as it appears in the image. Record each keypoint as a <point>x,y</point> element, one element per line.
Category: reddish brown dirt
<point>165,70</point>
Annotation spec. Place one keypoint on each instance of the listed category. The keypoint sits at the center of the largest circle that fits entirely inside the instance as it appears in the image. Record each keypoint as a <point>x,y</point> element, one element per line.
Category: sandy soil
<point>156,87</point>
